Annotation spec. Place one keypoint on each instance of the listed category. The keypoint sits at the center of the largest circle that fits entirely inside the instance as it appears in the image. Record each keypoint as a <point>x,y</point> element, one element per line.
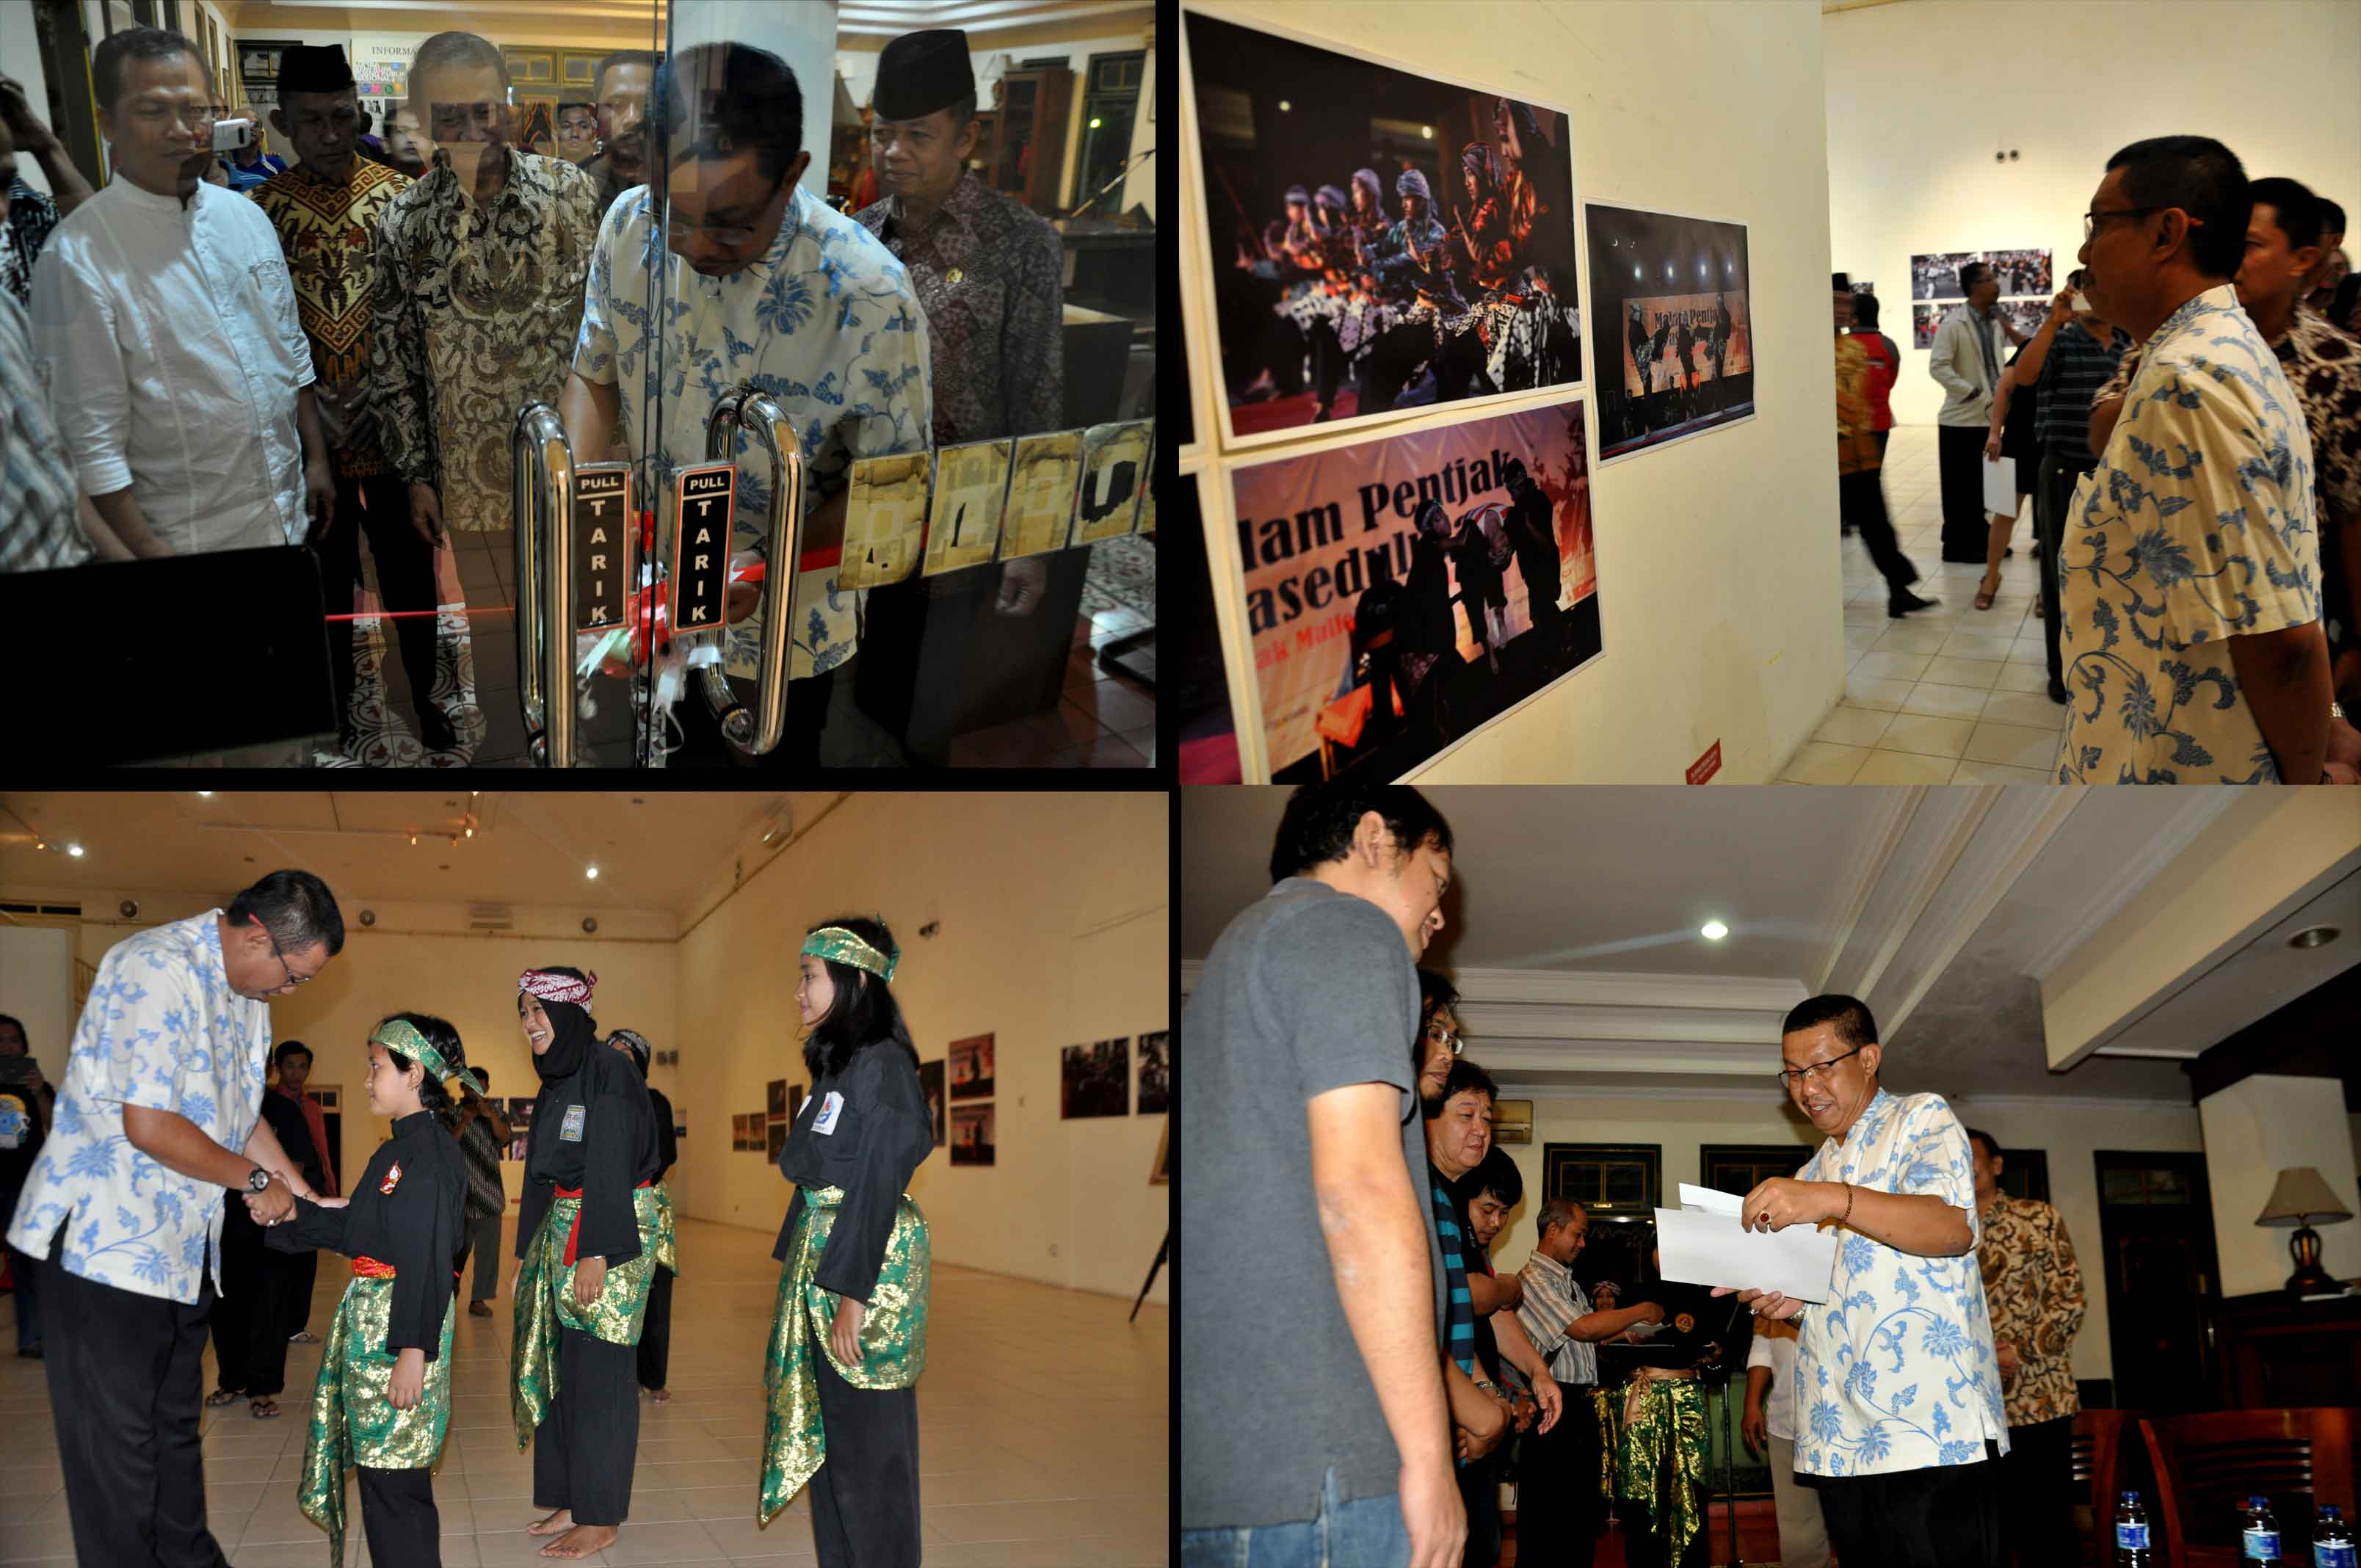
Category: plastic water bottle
<point>2258,1540</point>
<point>2132,1549</point>
<point>2332,1540</point>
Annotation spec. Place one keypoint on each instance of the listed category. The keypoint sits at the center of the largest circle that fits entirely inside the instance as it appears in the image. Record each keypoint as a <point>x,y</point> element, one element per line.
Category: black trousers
<point>126,1389</point>
<point>1860,500</point>
<point>25,1281</point>
<point>1943,1518</point>
<point>864,1500</point>
<point>292,1275</point>
<point>1967,527</point>
<point>250,1317</point>
<point>1480,1492</point>
<point>405,574</point>
<point>2037,1476</point>
<point>583,1452</point>
<point>2058,477</point>
<point>1559,1510</point>
<point>655,1330</point>
<point>398,1516</point>
<point>484,1238</point>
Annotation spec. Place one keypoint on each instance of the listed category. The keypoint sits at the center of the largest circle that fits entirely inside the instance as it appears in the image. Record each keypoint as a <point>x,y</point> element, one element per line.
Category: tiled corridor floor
<point>1043,1436</point>
<point>1952,695</point>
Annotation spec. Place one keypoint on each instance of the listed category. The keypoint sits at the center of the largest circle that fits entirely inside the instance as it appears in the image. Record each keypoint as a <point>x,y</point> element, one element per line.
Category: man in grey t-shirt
<point>1311,1397</point>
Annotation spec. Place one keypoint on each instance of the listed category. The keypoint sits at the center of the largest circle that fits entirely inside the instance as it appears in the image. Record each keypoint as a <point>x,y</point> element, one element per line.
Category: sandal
<point>221,1397</point>
<point>1985,591</point>
<point>265,1410</point>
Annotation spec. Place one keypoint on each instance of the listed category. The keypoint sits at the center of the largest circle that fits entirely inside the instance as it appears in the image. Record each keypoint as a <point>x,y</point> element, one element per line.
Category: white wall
<point>20,58</point>
<point>2069,1131</point>
<point>2253,1129</point>
<point>1054,931</point>
<point>1920,96</point>
<point>37,989</point>
<point>1717,570</point>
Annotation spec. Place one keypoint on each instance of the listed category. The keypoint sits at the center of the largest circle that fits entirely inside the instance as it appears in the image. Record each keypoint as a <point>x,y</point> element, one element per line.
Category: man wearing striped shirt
<point>1552,1505</point>
<point>1458,1135</point>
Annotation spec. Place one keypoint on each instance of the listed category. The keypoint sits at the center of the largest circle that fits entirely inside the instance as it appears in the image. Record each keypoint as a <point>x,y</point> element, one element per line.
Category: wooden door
<point>2156,1242</point>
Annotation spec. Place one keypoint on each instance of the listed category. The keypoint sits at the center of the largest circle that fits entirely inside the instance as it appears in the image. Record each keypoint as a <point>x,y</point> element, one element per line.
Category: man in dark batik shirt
<point>987,272</point>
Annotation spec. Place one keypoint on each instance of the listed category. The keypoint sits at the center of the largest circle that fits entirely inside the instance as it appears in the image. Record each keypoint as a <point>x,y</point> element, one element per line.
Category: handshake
<point>275,1205</point>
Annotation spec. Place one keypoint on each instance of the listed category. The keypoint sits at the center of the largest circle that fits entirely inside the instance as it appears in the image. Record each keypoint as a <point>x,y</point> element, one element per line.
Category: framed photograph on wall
<point>1405,591</point>
<point>1096,1080</point>
<point>774,1138</point>
<point>1512,1121</point>
<point>1379,241</point>
<point>971,1068</point>
<point>775,1095</point>
<point>1155,1073</point>
<point>971,1135</point>
<point>257,58</point>
<point>1669,326</point>
<point>930,1083</point>
<point>795,1101</point>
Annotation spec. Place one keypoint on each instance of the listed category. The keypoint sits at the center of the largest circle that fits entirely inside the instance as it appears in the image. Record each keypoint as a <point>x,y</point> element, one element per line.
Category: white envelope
<point>1702,1242</point>
<point>2000,488</point>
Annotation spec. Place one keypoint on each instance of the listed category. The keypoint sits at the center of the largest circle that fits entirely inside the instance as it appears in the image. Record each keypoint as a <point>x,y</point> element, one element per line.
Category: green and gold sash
<point>1652,1452</point>
<point>892,1340</point>
<point>667,1248</point>
<point>545,1304</point>
<point>353,1418</point>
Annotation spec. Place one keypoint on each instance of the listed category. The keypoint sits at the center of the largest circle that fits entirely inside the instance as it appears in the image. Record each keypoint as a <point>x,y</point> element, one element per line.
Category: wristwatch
<point>256,1179</point>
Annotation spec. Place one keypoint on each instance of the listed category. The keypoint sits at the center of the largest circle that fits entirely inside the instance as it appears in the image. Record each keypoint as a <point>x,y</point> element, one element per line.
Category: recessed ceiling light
<point>1714,931</point>
<point>2304,940</point>
<point>204,795</point>
<point>592,873</point>
<point>74,849</point>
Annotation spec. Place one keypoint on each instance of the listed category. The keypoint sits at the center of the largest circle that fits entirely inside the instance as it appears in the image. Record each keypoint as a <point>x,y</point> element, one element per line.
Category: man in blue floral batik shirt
<point>1898,1389</point>
<point>2190,566</point>
<point>761,283</point>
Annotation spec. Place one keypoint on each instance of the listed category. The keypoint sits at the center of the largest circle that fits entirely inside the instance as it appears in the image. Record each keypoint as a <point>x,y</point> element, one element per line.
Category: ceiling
<point>655,852</point>
<point>1572,926</point>
<point>979,18</point>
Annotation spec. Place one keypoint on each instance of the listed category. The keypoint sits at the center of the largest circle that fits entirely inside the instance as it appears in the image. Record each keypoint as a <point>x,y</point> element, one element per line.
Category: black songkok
<point>307,68</point>
<point>922,74</point>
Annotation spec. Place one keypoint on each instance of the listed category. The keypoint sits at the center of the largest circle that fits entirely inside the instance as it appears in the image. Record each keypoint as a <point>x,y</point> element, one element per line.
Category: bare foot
<point>662,1397</point>
<point>582,1540</point>
<point>552,1524</point>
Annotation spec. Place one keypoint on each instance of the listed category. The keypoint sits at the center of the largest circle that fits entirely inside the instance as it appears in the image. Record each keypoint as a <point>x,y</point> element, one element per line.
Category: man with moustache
<point>166,332</point>
<point>621,85</point>
<point>1314,1409</point>
<point>326,210</point>
<point>159,1114</point>
<point>1899,1402</point>
<point>987,273</point>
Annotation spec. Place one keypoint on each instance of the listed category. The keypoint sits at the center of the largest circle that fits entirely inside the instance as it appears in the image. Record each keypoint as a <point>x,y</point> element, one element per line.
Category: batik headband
<point>551,986</point>
<point>836,943</point>
<point>400,1035</point>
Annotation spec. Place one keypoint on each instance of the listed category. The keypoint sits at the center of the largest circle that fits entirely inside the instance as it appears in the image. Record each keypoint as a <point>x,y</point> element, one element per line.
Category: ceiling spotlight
<point>2303,941</point>
<point>413,841</point>
<point>1094,122</point>
<point>1714,931</point>
<point>471,832</point>
<point>592,873</point>
<point>1426,131</point>
<point>1284,105</point>
<point>204,795</point>
<point>74,849</point>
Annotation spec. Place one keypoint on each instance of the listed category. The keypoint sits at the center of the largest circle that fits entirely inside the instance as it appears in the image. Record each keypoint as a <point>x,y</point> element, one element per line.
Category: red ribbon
<point>370,1268</point>
<point>574,1229</point>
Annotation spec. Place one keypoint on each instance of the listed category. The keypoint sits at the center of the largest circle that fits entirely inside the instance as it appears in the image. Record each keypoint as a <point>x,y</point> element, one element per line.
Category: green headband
<point>400,1035</point>
<point>836,943</point>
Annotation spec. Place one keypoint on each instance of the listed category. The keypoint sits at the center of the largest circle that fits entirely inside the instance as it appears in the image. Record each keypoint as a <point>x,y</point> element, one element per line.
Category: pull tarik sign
<point>600,517</point>
<point>700,563</point>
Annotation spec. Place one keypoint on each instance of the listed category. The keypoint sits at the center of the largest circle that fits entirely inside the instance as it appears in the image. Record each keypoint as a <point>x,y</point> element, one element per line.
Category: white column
<point>2255,1129</point>
<point>801,32</point>
<point>37,980</point>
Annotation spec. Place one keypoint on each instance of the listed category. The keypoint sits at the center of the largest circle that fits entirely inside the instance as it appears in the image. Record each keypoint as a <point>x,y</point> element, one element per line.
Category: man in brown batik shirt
<point>2034,1287</point>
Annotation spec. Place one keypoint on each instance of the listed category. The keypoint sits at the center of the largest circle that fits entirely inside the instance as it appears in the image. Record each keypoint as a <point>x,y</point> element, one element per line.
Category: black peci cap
<point>922,74</point>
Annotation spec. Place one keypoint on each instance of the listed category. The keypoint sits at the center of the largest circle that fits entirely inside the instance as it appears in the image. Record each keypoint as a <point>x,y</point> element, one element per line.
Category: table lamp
<point>2298,1198</point>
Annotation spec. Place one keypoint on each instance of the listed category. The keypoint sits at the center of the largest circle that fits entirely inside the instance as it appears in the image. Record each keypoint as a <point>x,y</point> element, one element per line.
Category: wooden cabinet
<point>1028,136</point>
<point>2273,1351</point>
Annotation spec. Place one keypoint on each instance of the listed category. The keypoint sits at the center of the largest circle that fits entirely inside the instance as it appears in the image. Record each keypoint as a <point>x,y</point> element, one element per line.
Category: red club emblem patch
<point>392,1178</point>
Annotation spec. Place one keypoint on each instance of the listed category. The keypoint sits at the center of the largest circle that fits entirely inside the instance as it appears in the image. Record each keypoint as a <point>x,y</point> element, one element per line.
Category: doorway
<point>1108,109</point>
<point>2156,1237</point>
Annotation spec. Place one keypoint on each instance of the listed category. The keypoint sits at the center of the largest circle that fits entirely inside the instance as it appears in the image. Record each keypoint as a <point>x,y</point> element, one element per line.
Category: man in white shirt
<point>165,331</point>
<point>1769,1426</point>
<point>160,1113</point>
<point>1897,1382</point>
<point>1967,362</point>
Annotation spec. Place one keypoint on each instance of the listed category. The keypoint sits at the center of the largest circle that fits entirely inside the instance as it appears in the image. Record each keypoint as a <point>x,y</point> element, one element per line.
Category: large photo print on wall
<point>1404,592</point>
<point>1668,310</point>
<point>1380,240</point>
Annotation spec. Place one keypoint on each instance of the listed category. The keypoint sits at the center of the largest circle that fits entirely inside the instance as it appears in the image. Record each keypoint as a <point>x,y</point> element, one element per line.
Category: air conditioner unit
<point>492,917</point>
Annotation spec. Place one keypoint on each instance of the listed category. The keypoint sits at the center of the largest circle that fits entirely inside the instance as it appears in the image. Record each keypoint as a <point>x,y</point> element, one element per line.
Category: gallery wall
<point>1051,929</point>
<point>2069,1131</point>
<point>1920,96</point>
<point>1718,572</point>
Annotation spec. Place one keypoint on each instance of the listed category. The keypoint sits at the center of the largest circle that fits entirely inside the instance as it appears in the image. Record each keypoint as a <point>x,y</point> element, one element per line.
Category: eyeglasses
<point>1442,1036</point>
<point>1818,1072</point>
<point>2092,220</point>
<point>293,978</point>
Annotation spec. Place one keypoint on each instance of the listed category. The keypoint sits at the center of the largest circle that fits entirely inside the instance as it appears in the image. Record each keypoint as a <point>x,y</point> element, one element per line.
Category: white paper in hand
<point>1704,1244</point>
<point>2000,488</point>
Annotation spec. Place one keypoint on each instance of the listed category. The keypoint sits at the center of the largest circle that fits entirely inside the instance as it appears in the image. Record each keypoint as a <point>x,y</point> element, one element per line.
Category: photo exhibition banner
<point>1668,308</point>
<point>1380,240</point>
<point>1404,592</point>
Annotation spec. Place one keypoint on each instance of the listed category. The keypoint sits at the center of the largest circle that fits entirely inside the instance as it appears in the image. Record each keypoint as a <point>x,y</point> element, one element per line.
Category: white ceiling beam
<point>1881,835</point>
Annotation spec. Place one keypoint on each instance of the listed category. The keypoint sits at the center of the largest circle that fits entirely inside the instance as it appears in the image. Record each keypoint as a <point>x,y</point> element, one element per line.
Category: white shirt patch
<point>830,1105</point>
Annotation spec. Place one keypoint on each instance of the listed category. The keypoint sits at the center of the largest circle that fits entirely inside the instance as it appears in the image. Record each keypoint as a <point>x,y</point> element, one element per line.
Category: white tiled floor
<point>1952,695</point>
<point>1043,1436</point>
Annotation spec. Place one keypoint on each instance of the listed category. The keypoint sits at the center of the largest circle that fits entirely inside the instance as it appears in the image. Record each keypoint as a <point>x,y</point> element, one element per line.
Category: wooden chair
<point>2098,1454</point>
<point>2206,1464</point>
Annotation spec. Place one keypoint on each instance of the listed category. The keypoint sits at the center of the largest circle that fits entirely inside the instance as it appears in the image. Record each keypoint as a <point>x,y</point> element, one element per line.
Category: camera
<point>229,136</point>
